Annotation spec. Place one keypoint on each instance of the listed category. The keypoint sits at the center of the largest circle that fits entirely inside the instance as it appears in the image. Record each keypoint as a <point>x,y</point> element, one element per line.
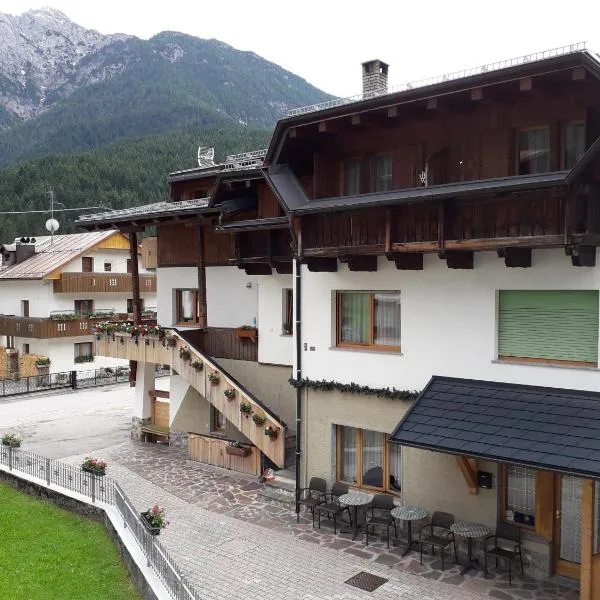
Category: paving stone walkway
<point>233,542</point>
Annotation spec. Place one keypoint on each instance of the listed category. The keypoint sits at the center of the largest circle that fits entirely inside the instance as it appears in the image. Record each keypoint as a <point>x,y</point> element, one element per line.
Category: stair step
<point>277,495</point>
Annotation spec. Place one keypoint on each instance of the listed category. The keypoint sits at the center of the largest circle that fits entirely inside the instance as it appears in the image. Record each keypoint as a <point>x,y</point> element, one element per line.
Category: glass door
<point>567,525</point>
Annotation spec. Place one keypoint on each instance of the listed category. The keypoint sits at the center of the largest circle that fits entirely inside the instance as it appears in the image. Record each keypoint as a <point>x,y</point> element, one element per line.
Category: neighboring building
<point>53,291</point>
<point>447,231</point>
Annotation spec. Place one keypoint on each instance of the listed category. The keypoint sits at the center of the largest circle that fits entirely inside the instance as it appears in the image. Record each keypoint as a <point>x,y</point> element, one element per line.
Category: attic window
<point>107,266</point>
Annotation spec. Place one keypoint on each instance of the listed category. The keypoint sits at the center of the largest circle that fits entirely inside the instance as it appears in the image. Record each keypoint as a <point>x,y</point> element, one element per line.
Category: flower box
<point>238,451</point>
<point>250,333</point>
<point>151,529</point>
<point>11,444</point>
<point>94,471</point>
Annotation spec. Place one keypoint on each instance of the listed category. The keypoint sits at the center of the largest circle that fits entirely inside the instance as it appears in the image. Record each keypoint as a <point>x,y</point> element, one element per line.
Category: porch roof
<point>539,427</point>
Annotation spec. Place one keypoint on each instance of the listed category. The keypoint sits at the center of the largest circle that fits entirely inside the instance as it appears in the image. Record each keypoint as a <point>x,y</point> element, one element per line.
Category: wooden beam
<point>468,468</point>
<point>388,229</point>
<point>544,504</point>
<point>586,589</point>
<point>457,259</point>
<point>202,305</point>
<point>159,394</point>
<point>526,84</point>
<point>477,94</point>
<point>284,268</point>
<point>515,257</point>
<point>321,265</point>
<point>360,263</point>
<point>322,126</point>
<point>582,256</point>
<point>407,261</point>
<point>392,112</point>
<point>257,269</point>
<point>355,120</point>
<point>578,74</point>
<point>432,103</point>
<point>136,301</point>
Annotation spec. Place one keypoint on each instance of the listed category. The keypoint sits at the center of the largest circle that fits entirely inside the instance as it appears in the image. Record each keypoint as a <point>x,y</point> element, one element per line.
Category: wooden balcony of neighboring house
<point>203,372</point>
<point>102,282</point>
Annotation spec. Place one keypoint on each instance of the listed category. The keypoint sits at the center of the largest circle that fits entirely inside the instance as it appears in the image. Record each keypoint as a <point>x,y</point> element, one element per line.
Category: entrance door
<point>567,525</point>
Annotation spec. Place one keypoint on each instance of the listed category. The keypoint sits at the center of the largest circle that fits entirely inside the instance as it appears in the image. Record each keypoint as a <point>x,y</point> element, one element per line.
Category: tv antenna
<point>206,156</point>
<point>52,224</point>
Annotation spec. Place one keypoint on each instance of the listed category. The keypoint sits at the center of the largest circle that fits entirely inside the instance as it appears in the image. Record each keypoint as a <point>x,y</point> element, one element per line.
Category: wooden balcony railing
<point>223,342</point>
<point>101,282</point>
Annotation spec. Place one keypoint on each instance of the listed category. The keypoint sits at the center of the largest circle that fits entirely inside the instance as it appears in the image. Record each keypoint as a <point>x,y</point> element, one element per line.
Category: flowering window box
<point>151,529</point>
<point>233,450</point>
<point>246,332</point>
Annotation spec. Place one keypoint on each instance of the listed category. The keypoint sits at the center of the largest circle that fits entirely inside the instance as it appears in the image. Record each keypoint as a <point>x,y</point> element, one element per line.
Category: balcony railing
<point>102,283</point>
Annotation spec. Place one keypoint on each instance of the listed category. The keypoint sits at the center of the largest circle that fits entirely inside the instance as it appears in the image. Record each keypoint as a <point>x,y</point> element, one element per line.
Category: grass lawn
<point>48,553</point>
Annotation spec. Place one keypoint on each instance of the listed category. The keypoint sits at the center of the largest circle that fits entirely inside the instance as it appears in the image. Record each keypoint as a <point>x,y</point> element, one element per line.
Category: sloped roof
<point>532,426</point>
<point>52,254</point>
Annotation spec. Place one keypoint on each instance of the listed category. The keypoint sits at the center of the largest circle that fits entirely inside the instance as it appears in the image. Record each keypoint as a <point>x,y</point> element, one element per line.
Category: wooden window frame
<point>87,260</point>
<point>343,182</point>
<point>129,266</point>
<point>371,346</point>
<point>517,146</point>
<point>359,461</point>
<point>502,505</point>
<point>214,421</point>
<point>563,154</point>
<point>79,345</point>
<point>108,267</point>
<point>25,308</point>
<point>195,316</point>
<point>372,177</point>
<point>77,305</point>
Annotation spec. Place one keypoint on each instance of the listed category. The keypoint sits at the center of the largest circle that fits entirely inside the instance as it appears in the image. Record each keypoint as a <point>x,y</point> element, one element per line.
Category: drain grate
<point>366,581</point>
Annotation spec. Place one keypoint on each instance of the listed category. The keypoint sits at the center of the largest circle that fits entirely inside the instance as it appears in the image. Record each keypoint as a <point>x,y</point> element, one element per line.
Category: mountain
<point>65,88</point>
<point>118,175</point>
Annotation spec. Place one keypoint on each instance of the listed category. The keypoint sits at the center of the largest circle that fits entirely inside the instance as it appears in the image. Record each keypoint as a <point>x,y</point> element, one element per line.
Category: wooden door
<point>87,264</point>
<point>567,525</point>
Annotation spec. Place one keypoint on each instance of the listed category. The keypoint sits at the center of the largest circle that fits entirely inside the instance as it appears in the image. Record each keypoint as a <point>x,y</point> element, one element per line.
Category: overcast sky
<point>325,41</point>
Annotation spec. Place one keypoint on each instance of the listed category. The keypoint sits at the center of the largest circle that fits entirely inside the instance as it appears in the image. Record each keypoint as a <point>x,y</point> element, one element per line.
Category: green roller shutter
<point>559,325</point>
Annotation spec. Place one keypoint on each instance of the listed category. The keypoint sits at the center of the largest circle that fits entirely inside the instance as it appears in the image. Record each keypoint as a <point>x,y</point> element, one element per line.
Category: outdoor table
<point>355,500</point>
<point>469,530</point>
<point>409,514</point>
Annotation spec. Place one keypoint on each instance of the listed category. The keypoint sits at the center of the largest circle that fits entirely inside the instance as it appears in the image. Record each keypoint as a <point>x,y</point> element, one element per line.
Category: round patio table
<point>469,530</point>
<point>409,514</point>
<point>355,500</point>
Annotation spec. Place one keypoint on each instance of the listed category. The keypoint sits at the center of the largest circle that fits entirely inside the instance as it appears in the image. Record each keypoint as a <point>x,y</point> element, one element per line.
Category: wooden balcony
<point>223,342</point>
<point>101,283</point>
<point>39,328</point>
<point>153,350</point>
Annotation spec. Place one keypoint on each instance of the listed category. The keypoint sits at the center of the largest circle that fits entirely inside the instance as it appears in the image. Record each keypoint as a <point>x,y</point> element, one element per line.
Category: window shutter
<point>555,325</point>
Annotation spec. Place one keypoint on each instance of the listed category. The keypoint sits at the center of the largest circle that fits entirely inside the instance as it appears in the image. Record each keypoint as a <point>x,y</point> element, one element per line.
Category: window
<point>548,326</point>
<point>25,348</point>
<point>84,352</point>
<point>130,305</point>
<point>87,264</point>
<point>198,194</point>
<point>287,320</point>
<point>84,307</point>
<point>519,486</point>
<point>129,266</point>
<point>533,151</point>
<point>366,459</point>
<point>108,267</point>
<point>368,319</point>
<point>218,422</point>
<point>574,144</point>
<point>188,309</point>
<point>381,173</point>
<point>351,177</point>
<point>24,308</point>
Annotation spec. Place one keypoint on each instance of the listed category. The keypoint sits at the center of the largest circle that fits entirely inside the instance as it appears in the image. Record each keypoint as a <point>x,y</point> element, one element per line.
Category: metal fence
<point>69,379</point>
<point>107,490</point>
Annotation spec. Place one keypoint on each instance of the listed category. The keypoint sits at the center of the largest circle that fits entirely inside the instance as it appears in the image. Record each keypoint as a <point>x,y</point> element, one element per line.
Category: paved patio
<point>235,543</point>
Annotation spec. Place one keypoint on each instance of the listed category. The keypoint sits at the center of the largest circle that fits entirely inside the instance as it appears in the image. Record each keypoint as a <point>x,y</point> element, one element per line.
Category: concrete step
<point>276,495</point>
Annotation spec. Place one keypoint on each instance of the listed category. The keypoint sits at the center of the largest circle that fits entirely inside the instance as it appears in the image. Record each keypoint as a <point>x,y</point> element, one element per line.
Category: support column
<point>202,318</point>
<point>137,303</point>
<point>142,404</point>
<point>589,579</point>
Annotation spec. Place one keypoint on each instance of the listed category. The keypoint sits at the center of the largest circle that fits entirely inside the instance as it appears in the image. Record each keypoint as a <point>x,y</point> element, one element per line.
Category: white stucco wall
<point>38,292</point>
<point>117,258</point>
<point>273,347</point>
<point>231,297</point>
<point>448,322</point>
<point>168,279</point>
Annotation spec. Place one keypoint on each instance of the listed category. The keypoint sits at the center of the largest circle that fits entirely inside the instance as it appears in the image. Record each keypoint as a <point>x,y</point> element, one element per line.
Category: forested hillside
<point>117,175</point>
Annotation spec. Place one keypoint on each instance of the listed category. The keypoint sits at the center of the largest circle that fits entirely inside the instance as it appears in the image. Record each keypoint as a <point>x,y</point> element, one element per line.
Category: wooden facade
<point>102,283</point>
<point>213,451</point>
<point>42,329</point>
<point>223,342</point>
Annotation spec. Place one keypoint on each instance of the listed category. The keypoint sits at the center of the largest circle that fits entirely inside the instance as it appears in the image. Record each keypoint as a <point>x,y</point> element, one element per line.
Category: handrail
<point>215,365</point>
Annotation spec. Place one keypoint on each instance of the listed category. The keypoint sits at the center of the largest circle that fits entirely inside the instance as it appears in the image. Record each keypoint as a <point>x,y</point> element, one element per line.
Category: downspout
<point>298,298</point>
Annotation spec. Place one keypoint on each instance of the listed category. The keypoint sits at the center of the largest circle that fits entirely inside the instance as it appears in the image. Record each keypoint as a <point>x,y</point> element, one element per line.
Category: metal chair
<point>508,533</point>
<point>332,506</point>
<point>311,496</point>
<point>440,535</point>
<point>381,515</point>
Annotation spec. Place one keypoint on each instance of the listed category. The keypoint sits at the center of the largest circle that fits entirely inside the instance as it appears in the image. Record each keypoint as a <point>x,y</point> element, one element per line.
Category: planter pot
<point>12,444</point>
<point>250,334</point>
<point>149,528</point>
<point>171,343</point>
<point>237,451</point>
<point>185,355</point>
<point>98,472</point>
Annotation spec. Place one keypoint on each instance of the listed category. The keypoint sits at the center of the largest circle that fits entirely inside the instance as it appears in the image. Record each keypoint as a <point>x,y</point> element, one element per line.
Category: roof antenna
<point>52,224</point>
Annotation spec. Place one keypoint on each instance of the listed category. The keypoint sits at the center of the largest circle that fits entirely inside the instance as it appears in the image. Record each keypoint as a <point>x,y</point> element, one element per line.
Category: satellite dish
<point>206,156</point>
<point>52,225</point>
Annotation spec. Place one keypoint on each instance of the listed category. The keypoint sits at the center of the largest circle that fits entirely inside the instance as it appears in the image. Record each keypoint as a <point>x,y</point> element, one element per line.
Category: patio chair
<point>311,496</point>
<point>439,535</point>
<point>511,535</point>
<point>381,515</point>
<point>332,507</point>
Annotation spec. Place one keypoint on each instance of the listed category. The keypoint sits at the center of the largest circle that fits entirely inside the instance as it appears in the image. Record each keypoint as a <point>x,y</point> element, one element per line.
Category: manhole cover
<point>366,581</point>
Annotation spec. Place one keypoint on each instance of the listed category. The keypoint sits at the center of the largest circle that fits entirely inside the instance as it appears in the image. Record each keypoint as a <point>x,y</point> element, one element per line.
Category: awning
<point>543,428</point>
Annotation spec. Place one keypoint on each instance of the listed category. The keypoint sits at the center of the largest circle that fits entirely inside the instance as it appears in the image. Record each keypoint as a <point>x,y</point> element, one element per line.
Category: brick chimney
<point>374,77</point>
<point>25,248</point>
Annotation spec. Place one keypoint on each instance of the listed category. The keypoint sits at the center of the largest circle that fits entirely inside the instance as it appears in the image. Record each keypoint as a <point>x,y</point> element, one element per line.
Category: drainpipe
<point>298,297</point>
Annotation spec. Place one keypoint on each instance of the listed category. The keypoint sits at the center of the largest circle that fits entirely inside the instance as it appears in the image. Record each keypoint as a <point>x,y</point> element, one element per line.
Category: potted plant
<point>213,378</point>
<point>154,519</point>
<point>259,419</point>
<point>237,449</point>
<point>245,408</point>
<point>171,340</point>
<point>42,362</point>
<point>229,393</point>
<point>12,440</point>
<point>248,332</point>
<point>185,353</point>
<point>271,432</point>
<point>94,465</point>
<point>198,365</point>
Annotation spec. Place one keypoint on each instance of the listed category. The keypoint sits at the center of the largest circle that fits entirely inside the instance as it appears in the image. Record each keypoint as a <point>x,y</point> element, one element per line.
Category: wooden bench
<point>153,433</point>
